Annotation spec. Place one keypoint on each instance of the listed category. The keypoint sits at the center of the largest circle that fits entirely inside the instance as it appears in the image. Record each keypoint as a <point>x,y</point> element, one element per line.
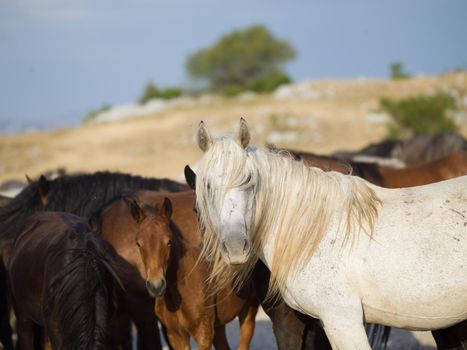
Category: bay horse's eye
<point>169,243</point>
<point>138,244</point>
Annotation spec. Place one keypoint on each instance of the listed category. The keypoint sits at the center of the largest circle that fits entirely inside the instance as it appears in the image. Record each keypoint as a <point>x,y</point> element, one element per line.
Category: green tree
<point>240,57</point>
<point>398,72</point>
<point>151,92</point>
<point>420,115</point>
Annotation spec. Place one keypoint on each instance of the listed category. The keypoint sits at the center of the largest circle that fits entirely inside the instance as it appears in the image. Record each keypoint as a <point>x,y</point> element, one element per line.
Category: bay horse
<point>61,280</point>
<point>165,236</point>
<point>444,168</point>
<point>338,248</point>
<point>83,195</point>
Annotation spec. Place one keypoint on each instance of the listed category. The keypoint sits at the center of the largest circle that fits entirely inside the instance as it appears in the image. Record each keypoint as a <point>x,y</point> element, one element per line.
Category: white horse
<point>339,248</point>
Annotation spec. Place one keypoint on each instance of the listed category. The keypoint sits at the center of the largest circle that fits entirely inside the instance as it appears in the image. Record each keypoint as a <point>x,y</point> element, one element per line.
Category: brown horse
<point>83,195</point>
<point>447,167</point>
<point>166,239</point>
<point>61,281</point>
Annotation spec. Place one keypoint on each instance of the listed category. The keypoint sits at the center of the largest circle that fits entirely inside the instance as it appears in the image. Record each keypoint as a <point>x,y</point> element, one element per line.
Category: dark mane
<point>78,194</point>
<point>81,295</point>
<point>84,194</point>
<point>14,213</point>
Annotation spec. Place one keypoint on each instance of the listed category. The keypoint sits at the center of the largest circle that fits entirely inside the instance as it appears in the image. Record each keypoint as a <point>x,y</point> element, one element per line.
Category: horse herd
<point>86,257</point>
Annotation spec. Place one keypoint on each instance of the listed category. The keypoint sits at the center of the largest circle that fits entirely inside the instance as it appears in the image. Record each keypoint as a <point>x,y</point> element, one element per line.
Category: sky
<point>60,59</point>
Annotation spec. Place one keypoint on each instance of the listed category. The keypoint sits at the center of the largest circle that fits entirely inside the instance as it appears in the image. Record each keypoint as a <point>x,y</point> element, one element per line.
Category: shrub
<point>151,92</point>
<point>398,72</point>
<point>420,115</point>
<point>95,112</point>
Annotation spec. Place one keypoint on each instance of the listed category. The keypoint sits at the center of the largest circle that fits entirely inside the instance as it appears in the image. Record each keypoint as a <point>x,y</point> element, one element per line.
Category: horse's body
<point>412,274</point>
<point>83,195</point>
<point>444,168</point>
<point>61,282</point>
<point>417,150</point>
<point>338,248</point>
<point>169,248</point>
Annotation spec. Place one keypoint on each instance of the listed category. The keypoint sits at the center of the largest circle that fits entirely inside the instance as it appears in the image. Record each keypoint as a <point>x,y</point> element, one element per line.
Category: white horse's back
<point>415,269</point>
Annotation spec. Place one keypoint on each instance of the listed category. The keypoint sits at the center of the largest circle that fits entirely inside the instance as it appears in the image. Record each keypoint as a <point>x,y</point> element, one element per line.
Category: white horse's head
<point>225,194</point>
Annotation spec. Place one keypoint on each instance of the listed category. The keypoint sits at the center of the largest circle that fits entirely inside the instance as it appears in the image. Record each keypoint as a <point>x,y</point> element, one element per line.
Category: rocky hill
<point>319,116</point>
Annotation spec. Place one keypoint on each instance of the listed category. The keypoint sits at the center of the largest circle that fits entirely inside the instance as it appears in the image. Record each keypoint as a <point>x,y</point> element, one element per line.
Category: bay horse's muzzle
<point>236,250</point>
<point>156,288</point>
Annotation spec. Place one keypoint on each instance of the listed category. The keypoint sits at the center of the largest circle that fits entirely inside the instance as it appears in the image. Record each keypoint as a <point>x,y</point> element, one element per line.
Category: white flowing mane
<point>295,202</point>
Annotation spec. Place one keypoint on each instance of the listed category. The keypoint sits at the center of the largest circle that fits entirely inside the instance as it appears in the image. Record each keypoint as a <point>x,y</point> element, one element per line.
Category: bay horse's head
<point>154,241</point>
<point>225,195</point>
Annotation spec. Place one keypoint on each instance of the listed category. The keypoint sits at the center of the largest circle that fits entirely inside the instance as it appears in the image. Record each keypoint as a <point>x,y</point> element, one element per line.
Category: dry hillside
<point>319,116</point>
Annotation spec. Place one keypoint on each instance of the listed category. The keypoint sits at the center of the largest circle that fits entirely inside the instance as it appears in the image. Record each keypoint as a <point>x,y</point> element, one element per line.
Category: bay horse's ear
<point>136,211</point>
<point>204,138</point>
<point>243,136</point>
<point>28,179</point>
<point>166,208</point>
<point>190,177</point>
<point>43,187</point>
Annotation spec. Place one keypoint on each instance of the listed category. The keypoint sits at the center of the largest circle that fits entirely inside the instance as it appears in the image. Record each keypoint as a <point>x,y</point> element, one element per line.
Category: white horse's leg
<point>346,332</point>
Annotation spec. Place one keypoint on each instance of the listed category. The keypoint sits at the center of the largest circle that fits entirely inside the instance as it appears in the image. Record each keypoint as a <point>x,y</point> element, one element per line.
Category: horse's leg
<point>26,333</point>
<point>47,343</point>
<point>451,338</point>
<point>288,329</point>
<point>179,340</point>
<point>204,332</point>
<point>220,339</point>
<point>120,331</point>
<point>461,332</point>
<point>446,339</point>
<point>247,324</point>
<point>141,309</point>
<point>346,333</point>
<point>5,328</point>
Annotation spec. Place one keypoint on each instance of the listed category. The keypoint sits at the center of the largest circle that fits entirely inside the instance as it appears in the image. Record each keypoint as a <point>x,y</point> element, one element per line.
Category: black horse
<point>83,195</point>
<point>62,281</point>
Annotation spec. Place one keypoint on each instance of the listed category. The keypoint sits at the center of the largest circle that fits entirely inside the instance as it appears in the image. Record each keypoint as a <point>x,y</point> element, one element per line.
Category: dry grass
<point>339,115</point>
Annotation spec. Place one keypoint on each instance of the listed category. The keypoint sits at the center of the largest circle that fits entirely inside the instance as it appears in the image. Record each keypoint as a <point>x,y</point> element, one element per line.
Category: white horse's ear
<point>204,138</point>
<point>243,137</point>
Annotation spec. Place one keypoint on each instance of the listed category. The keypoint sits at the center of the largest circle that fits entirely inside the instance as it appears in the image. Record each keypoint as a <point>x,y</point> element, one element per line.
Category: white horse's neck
<point>299,205</point>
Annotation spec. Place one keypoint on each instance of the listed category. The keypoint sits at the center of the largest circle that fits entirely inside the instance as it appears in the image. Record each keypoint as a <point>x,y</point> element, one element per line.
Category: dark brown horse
<point>61,281</point>
<point>166,241</point>
<point>83,195</point>
<point>417,150</point>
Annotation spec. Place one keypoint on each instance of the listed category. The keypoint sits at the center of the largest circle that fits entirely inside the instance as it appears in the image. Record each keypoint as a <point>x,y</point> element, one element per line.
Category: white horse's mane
<point>295,202</point>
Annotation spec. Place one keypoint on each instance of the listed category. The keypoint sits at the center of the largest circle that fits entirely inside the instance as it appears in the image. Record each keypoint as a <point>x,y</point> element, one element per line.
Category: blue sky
<point>59,59</point>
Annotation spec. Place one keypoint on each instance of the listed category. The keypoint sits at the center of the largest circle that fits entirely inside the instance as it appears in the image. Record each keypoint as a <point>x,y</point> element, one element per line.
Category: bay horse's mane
<point>81,194</point>
<point>295,202</point>
<point>80,298</point>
